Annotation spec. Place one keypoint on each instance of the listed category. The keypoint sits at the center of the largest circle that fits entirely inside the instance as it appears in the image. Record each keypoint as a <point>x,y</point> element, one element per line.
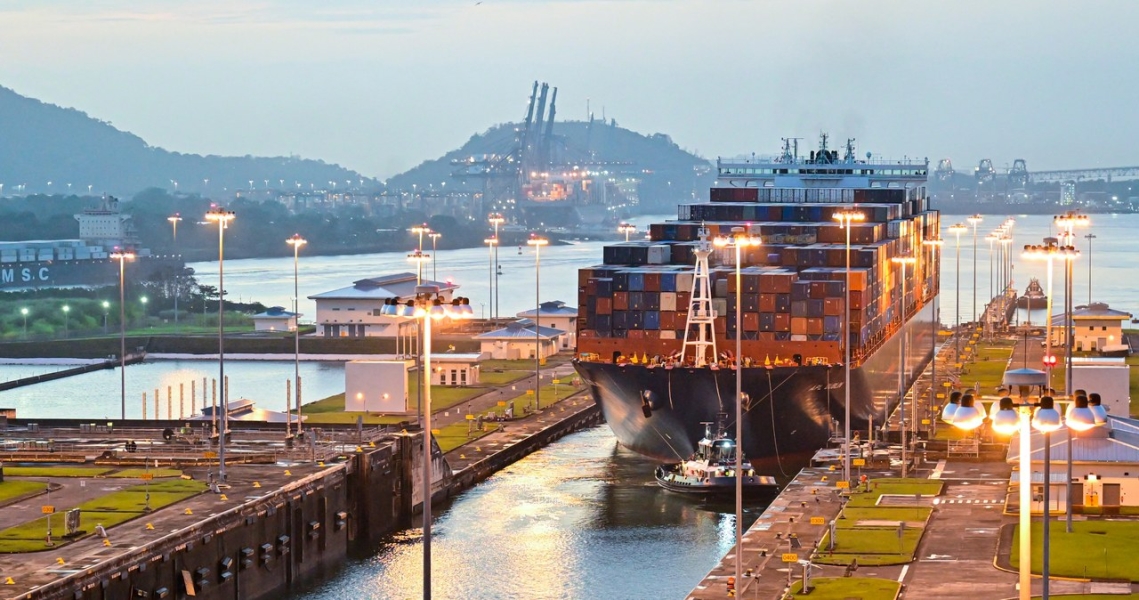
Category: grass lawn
<point>898,486</point>
<point>501,378</point>
<point>55,471</point>
<point>852,514</point>
<point>109,510</point>
<point>157,473</point>
<point>455,435</point>
<point>1097,549</point>
<point>10,490</point>
<point>870,546</point>
<point>840,588</point>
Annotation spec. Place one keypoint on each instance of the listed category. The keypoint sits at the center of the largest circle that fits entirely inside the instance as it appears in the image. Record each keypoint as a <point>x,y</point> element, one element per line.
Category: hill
<point>667,173</point>
<point>43,142</point>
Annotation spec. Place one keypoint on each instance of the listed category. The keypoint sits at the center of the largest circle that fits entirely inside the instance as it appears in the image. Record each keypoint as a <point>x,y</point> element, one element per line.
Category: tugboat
<point>1034,296</point>
<point>711,470</point>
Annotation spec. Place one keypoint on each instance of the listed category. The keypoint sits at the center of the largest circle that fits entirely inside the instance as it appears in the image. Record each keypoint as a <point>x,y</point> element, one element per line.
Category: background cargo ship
<point>632,346</point>
<point>83,262</point>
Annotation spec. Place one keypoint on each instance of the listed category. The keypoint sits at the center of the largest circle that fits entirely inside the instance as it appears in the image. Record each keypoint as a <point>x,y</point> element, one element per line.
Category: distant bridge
<point>1107,173</point>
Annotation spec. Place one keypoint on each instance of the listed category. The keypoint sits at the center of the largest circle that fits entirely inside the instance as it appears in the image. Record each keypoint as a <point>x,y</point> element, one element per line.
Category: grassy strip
<point>55,471</point>
<point>1095,549</point>
<point>108,511</point>
<point>501,378</point>
<point>841,588</point>
<point>881,544</point>
<point>157,473</point>
<point>851,515</point>
<point>10,490</point>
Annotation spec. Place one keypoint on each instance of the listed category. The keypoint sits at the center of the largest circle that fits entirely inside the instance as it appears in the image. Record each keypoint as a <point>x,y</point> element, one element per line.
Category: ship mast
<point>700,312</point>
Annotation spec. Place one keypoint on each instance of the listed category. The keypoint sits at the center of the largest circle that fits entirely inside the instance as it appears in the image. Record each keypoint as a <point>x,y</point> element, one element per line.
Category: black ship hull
<point>17,276</point>
<point>789,411</point>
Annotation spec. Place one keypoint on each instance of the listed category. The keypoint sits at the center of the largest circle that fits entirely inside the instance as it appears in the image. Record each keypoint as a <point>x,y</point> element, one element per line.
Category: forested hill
<point>42,142</point>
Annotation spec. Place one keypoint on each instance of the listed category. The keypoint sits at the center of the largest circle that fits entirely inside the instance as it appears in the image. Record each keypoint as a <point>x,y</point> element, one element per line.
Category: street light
<point>491,243</point>
<point>739,240</point>
<point>296,242</point>
<point>434,235</point>
<point>419,230</point>
<point>974,221</point>
<point>626,228</point>
<point>177,279</point>
<point>1049,251</point>
<point>845,217</point>
<point>904,261</point>
<point>934,245</point>
<point>106,307</point>
<point>426,307</point>
<point>66,318</point>
<point>1013,417</point>
<point>537,242</point>
<point>957,229</point>
<point>143,300</point>
<point>992,239</point>
<point>1068,222</point>
<point>1089,237</point>
<point>122,256</point>
<point>496,219</point>
<point>24,311</point>
<point>222,217</point>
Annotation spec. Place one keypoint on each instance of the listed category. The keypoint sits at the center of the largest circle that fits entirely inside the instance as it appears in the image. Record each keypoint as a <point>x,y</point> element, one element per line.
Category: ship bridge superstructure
<point>822,168</point>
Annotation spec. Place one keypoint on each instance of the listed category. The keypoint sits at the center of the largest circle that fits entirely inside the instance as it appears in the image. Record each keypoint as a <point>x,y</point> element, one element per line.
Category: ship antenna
<point>849,151</point>
<point>700,311</point>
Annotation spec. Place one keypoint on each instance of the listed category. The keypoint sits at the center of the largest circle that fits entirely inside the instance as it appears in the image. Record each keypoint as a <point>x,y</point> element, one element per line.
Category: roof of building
<point>1095,310</point>
<point>520,330</point>
<point>276,312</point>
<point>398,285</point>
<point>1118,442</point>
<point>553,308</point>
<point>243,409</point>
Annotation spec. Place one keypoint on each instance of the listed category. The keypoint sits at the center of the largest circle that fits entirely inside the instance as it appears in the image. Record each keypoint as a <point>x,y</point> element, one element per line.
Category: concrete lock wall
<point>265,548</point>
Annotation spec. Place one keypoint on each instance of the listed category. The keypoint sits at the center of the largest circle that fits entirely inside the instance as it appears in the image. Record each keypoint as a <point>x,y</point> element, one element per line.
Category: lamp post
<point>491,244</point>
<point>66,319</point>
<point>991,238</point>
<point>296,241</point>
<point>974,221</point>
<point>1049,251</point>
<point>24,312</point>
<point>143,300</point>
<point>122,256</point>
<point>626,228</point>
<point>1089,237</point>
<point>1068,222</point>
<point>904,261</point>
<point>739,240</point>
<point>934,245</point>
<point>957,229</point>
<point>434,235</point>
<point>174,219</point>
<point>426,307</point>
<point>537,242</point>
<point>420,230</point>
<point>845,217</point>
<point>106,307</point>
<point>496,219</point>
<point>222,217</point>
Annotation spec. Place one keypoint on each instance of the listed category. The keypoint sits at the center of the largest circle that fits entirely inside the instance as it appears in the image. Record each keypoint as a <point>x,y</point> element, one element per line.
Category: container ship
<point>657,328</point>
<point>82,262</point>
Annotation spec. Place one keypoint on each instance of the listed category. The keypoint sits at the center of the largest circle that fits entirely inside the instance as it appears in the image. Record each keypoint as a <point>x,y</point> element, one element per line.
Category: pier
<point>110,363</point>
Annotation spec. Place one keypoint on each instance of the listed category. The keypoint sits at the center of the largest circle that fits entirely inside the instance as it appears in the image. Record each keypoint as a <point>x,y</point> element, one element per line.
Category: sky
<point>381,85</point>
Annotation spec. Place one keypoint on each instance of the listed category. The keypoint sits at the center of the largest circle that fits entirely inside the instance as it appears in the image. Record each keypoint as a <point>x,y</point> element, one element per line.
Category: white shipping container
<point>684,282</point>
<point>667,334</point>
<point>668,300</point>
<point>659,254</point>
<point>720,306</point>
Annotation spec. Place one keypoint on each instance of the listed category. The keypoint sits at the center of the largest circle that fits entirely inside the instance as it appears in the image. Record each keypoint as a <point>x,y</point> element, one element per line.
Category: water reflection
<point>582,518</point>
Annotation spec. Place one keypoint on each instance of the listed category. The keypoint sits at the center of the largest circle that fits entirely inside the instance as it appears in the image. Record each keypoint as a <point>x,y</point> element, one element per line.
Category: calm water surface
<point>581,519</point>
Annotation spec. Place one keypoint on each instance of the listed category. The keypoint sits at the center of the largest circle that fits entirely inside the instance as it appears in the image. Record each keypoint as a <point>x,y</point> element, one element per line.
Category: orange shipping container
<point>604,306</point>
<point>799,326</point>
<point>620,300</point>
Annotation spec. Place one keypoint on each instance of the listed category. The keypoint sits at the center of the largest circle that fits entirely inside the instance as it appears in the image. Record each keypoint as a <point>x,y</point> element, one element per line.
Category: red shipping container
<point>652,282</point>
<point>856,300</point>
<point>668,320</point>
<point>818,290</point>
<point>814,326</point>
<point>832,306</point>
<point>682,301</point>
<point>604,306</point>
<point>767,303</point>
<point>751,321</point>
<point>782,322</point>
<point>620,300</point>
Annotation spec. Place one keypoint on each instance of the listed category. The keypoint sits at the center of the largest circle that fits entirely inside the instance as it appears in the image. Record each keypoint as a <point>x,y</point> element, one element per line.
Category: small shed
<point>275,319</point>
<point>517,341</point>
<point>455,370</point>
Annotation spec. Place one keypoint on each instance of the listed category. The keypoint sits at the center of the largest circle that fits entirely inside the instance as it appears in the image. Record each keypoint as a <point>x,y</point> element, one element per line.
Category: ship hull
<point>25,275</point>
<point>789,412</point>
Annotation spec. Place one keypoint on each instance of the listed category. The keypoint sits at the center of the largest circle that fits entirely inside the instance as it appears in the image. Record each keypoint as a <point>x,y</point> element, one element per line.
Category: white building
<point>1096,328</point>
<point>557,315</point>
<point>1105,468</point>
<point>517,341</point>
<point>455,370</point>
<point>275,319</point>
<point>377,386</point>
<point>354,311</point>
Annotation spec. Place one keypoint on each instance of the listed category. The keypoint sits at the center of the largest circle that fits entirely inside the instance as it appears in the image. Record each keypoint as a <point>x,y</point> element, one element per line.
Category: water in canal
<point>580,519</point>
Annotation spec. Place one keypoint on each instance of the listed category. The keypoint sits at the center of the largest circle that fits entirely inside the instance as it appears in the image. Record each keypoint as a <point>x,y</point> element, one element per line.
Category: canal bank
<point>277,526</point>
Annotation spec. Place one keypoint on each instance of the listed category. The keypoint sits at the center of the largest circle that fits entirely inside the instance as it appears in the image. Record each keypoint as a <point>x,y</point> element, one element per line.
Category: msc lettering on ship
<point>25,275</point>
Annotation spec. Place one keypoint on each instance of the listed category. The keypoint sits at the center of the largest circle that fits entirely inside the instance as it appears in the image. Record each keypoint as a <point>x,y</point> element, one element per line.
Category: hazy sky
<point>381,85</point>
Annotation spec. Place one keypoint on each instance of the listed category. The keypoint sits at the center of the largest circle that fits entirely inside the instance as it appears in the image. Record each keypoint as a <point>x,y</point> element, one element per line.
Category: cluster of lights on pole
<point>458,308</point>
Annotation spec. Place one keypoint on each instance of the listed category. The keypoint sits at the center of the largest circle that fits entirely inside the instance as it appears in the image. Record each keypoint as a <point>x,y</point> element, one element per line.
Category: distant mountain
<point>42,142</point>
<point>668,173</point>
